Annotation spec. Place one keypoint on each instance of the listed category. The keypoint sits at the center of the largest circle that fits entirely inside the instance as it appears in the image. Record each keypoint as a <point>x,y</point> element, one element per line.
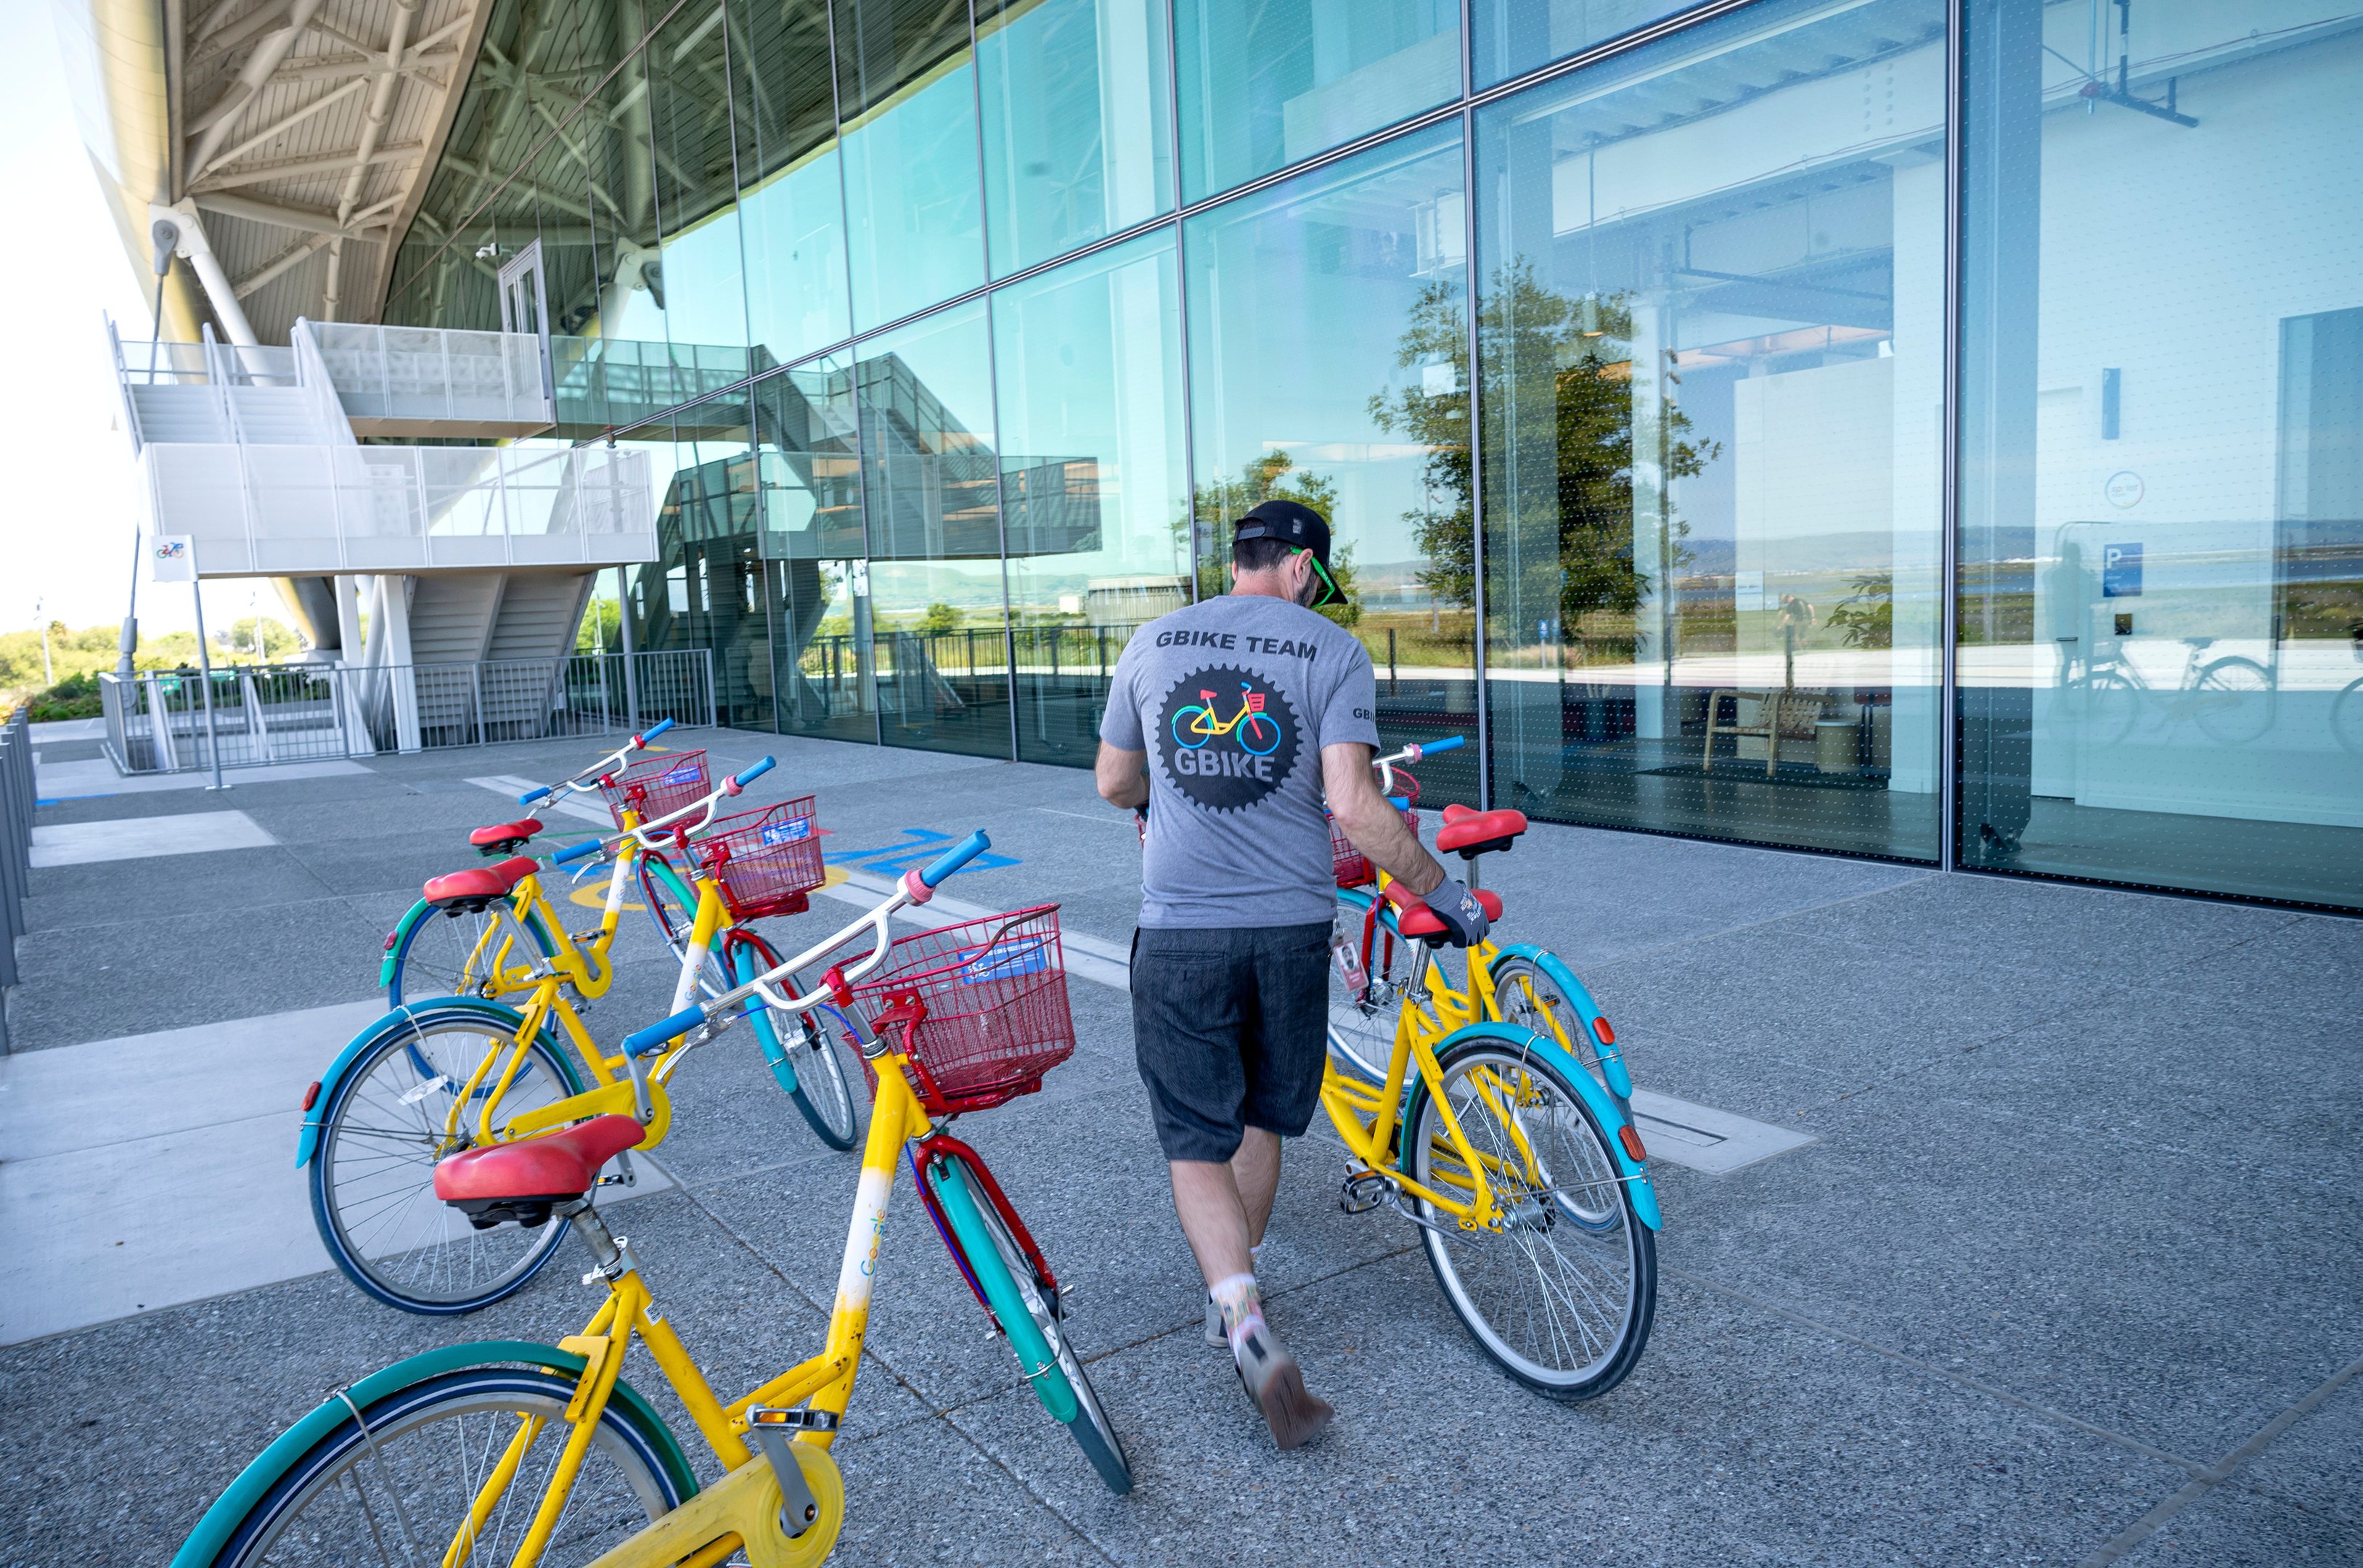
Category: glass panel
<point>792,205</point>
<point>1266,83</point>
<point>1092,483</point>
<point>698,282</point>
<point>622,373</point>
<point>809,466</point>
<point>1712,350</point>
<point>929,491</point>
<point>2161,582</point>
<point>706,587</point>
<point>908,97</point>
<point>1510,37</point>
<point>1078,129</point>
<point>1327,357</point>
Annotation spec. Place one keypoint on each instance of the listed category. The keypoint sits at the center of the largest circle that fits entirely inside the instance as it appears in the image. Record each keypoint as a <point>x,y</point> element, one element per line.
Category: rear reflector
<point>311,1097</point>
<point>390,936</point>
<point>1631,1139</point>
<point>1599,1026</point>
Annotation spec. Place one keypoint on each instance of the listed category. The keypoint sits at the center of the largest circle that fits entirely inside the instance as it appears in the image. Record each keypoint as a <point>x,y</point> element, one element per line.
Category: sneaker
<point>1214,1335</point>
<point>1276,1384</point>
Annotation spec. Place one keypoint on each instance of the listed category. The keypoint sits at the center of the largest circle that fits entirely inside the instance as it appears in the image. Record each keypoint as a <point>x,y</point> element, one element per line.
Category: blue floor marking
<point>919,846</point>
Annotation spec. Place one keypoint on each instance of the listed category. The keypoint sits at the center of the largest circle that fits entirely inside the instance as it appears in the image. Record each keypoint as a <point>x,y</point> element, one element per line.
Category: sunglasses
<point>1329,592</point>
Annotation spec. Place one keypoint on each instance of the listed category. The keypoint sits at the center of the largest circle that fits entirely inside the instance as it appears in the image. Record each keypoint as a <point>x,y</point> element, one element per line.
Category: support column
<point>392,607</point>
<point>193,247</point>
<point>353,659</point>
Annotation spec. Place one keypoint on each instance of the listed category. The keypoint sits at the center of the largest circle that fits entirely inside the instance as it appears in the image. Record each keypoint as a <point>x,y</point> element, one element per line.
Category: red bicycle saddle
<point>1415,918</point>
<point>502,837</point>
<point>478,885</point>
<point>1468,832</point>
<point>539,1169</point>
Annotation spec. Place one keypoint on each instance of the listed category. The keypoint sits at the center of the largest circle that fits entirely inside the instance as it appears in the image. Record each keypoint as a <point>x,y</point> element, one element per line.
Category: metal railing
<point>16,847</point>
<point>159,721</point>
<point>429,373</point>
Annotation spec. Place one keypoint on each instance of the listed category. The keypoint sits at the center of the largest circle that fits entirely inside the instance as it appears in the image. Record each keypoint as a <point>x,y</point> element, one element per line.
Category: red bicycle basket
<point>1354,868</point>
<point>764,862</point>
<point>995,992</point>
<point>657,785</point>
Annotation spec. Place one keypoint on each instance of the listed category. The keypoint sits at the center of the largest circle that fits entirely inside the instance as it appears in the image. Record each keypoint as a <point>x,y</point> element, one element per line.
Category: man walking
<point>1228,721</point>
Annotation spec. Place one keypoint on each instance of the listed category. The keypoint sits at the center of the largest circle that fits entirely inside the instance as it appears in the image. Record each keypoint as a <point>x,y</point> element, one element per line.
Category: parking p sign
<point>171,557</point>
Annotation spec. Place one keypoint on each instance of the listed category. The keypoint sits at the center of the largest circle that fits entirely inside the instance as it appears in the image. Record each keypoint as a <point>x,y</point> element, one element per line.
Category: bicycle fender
<point>307,1139</point>
<point>1612,1060</point>
<point>213,1531</point>
<point>423,910</point>
<point>1603,1106</point>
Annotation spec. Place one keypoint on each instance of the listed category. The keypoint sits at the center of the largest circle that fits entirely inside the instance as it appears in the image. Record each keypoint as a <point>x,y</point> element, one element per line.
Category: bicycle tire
<point>2233,700</point>
<point>2347,718</point>
<point>426,957</point>
<point>2112,703</point>
<point>1253,724</point>
<point>673,905</point>
<point>1604,1225</point>
<point>397,1161</point>
<point>1527,997</point>
<point>1033,1325</point>
<point>1181,737</point>
<point>393,1453</point>
<point>824,1097</point>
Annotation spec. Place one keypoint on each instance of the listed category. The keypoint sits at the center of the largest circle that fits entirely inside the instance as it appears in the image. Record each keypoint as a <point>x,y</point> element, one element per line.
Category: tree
<point>1865,618</point>
<point>237,642</point>
<point>1222,503</point>
<point>941,620</point>
<point>1445,528</point>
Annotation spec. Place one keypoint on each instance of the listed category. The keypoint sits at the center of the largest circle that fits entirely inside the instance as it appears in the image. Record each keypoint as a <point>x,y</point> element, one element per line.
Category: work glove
<point>1463,917</point>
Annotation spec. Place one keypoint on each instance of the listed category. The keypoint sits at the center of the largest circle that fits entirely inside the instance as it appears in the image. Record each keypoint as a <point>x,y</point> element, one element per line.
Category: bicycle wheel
<point>1259,733</point>
<point>2112,703</point>
<point>1562,1291</point>
<point>1035,1331</point>
<point>802,1056</point>
<point>399,1494</point>
<point>671,899</point>
<point>432,955</point>
<point>1186,733</point>
<point>2233,700</point>
<point>2347,718</point>
<point>1529,998</point>
<point>373,1179</point>
<point>1363,1020</point>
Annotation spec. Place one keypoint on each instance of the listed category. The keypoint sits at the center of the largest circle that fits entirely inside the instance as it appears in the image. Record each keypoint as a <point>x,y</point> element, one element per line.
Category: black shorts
<point>1231,1028</point>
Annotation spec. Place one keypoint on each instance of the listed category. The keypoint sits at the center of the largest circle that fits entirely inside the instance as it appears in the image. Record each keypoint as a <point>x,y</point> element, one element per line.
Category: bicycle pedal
<point>1362,1193</point>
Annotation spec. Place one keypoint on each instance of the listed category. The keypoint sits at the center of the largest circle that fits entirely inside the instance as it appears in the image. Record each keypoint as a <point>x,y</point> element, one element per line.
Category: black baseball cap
<point>1300,528</point>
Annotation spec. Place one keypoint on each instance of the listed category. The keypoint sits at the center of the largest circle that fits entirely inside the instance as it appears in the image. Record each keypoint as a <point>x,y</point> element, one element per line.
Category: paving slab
<point>194,832</point>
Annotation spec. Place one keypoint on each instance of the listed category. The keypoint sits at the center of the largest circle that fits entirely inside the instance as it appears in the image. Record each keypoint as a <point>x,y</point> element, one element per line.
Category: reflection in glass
<point>911,183</point>
<point>808,464</point>
<point>1090,364</point>
<point>699,278</point>
<point>1328,355</point>
<point>1078,134</point>
<point>1510,37</point>
<point>1265,84</point>
<point>1713,347</point>
<point>938,646</point>
<point>705,587</point>
<point>2161,574</point>
<point>791,201</point>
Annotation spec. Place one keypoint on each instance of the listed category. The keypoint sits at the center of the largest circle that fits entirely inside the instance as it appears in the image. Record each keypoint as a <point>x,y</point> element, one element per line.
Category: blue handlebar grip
<point>756,772</point>
<point>652,731</point>
<point>959,855</point>
<point>1449,743</point>
<point>529,797</point>
<point>655,1035</point>
<point>573,853</point>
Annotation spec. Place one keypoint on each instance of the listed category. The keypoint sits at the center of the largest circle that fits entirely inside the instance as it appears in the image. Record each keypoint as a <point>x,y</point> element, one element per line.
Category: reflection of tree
<point>1865,618</point>
<point>1273,476</point>
<point>1560,407</point>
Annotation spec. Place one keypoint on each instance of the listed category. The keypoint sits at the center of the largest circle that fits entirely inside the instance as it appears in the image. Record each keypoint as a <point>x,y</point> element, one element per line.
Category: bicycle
<point>1259,732</point>
<point>1522,983</point>
<point>433,1077</point>
<point>517,1453</point>
<point>1505,1144</point>
<point>2230,698</point>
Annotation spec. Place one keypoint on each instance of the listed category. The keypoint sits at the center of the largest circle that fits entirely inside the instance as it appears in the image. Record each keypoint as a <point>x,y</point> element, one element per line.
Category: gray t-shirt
<point>1233,700</point>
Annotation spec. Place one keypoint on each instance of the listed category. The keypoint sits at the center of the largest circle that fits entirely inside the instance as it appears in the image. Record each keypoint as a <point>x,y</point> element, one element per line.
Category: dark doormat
<point>1740,770</point>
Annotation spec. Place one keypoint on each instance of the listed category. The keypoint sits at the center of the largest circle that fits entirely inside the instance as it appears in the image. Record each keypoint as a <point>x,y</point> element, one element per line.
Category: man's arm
<point>1123,777</point>
<point>1373,825</point>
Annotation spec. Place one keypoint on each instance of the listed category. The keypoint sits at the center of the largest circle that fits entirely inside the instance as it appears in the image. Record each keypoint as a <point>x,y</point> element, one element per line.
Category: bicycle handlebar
<point>582,783</point>
<point>705,806</point>
<point>720,1009</point>
<point>573,853</point>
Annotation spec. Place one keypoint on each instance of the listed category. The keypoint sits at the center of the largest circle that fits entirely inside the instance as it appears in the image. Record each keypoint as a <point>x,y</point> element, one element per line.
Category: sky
<point>67,505</point>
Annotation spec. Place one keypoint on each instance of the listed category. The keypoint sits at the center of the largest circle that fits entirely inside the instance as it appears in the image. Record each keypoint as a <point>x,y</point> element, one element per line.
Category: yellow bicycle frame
<point>742,1510</point>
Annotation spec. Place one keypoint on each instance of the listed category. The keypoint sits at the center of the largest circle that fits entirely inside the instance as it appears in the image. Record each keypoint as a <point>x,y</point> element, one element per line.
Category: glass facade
<point>1793,424</point>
